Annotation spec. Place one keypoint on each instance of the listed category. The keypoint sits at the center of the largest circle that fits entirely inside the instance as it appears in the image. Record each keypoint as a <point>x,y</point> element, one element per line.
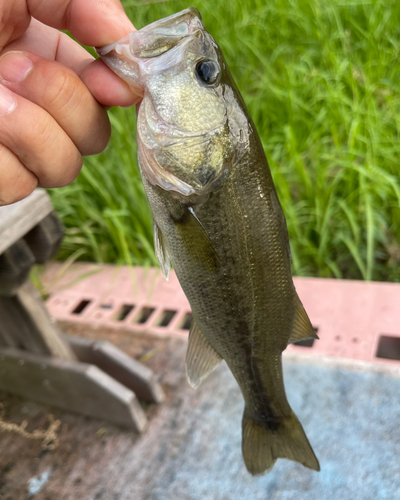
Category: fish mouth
<point>135,55</point>
<point>167,47</point>
<point>160,36</point>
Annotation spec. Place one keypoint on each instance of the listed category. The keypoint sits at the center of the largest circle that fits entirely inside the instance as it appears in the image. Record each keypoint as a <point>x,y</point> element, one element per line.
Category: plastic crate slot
<point>81,306</point>
<point>166,317</point>
<point>186,322</point>
<point>388,347</point>
<point>106,306</point>
<point>124,311</point>
<point>144,315</point>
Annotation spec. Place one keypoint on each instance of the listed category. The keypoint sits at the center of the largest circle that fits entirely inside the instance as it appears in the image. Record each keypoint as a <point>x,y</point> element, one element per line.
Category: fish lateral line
<point>268,416</point>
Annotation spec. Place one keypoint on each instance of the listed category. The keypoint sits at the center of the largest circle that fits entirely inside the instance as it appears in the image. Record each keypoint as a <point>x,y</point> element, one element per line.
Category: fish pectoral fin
<point>161,251</point>
<point>195,238</point>
<point>201,357</point>
<point>302,327</point>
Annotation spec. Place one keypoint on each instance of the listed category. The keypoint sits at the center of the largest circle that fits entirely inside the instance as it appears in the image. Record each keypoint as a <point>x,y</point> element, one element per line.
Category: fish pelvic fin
<point>201,357</point>
<point>302,327</point>
<point>263,444</point>
<point>161,251</point>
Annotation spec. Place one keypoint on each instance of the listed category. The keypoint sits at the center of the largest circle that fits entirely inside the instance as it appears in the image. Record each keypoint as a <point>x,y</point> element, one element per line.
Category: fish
<point>219,222</point>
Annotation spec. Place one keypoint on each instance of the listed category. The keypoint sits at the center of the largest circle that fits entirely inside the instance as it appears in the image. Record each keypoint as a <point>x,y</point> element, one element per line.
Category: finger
<point>37,140</point>
<point>49,43</point>
<point>16,181</point>
<point>92,22</point>
<point>14,20</point>
<point>60,92</point>
<point>44,41</point>
<point>107,87</point>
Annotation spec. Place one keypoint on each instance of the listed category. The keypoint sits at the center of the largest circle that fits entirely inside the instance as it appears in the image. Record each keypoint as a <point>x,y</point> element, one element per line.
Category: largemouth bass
<point>218,220</point>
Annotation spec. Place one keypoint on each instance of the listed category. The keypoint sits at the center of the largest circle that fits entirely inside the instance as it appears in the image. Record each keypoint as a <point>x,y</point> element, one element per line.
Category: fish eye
<point>208,71</point>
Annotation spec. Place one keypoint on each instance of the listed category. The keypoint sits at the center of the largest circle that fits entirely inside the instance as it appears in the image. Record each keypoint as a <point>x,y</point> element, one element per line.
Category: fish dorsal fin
<point>161,252</point>
<point>302,327</point>
<point>201,358</point>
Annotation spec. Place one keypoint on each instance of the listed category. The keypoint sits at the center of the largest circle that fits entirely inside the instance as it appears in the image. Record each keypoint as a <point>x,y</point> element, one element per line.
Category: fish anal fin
<point>161,252</point>
<point>201,357</point>
<point>302,327</point>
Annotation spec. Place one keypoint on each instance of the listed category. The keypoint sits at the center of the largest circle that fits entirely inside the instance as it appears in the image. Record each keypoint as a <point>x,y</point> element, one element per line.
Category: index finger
<point>91,22</point>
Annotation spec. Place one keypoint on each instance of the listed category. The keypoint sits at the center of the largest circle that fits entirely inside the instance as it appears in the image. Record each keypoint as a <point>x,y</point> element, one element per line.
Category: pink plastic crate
<point>354,319</point>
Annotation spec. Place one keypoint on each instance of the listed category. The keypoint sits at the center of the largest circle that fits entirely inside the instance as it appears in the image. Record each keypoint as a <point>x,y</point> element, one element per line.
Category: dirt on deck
<point>80,439</point>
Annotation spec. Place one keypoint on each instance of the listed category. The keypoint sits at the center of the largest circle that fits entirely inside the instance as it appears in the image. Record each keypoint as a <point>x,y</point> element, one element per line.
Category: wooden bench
<point>36,360</point>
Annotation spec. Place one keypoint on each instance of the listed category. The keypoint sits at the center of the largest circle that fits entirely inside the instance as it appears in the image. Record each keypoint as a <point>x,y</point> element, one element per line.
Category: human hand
<point>52,91</point>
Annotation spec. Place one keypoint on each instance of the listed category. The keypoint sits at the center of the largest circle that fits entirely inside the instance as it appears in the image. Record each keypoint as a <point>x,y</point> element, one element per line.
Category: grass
<point>105,210</point>
<point>321,79</point>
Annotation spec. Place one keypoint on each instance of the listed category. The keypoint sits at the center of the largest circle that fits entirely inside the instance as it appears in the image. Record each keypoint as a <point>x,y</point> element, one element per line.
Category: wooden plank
<point>45,238</point>
<point>45,327</point>
<point>16,328</point>
<point>19,218</point>
<point>134,375</point>
<point>71,385</point>
<point>15,265</point>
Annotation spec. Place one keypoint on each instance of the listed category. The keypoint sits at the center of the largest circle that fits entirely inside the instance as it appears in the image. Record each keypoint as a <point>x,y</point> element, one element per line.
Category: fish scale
<point>219,222</point>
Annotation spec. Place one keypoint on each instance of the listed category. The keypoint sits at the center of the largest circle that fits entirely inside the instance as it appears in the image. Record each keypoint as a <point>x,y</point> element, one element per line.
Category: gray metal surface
<point>352,419</point>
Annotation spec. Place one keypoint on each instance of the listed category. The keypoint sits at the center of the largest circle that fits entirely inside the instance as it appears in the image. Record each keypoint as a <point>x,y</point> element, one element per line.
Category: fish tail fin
<point>263,445</point>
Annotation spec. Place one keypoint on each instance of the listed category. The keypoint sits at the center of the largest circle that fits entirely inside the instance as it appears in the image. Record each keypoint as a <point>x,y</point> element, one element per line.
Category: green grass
<point>321,79</point>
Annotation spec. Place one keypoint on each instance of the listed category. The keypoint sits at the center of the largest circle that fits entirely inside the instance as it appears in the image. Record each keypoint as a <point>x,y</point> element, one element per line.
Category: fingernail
<point>7,101</point>
<point>14,66</point>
